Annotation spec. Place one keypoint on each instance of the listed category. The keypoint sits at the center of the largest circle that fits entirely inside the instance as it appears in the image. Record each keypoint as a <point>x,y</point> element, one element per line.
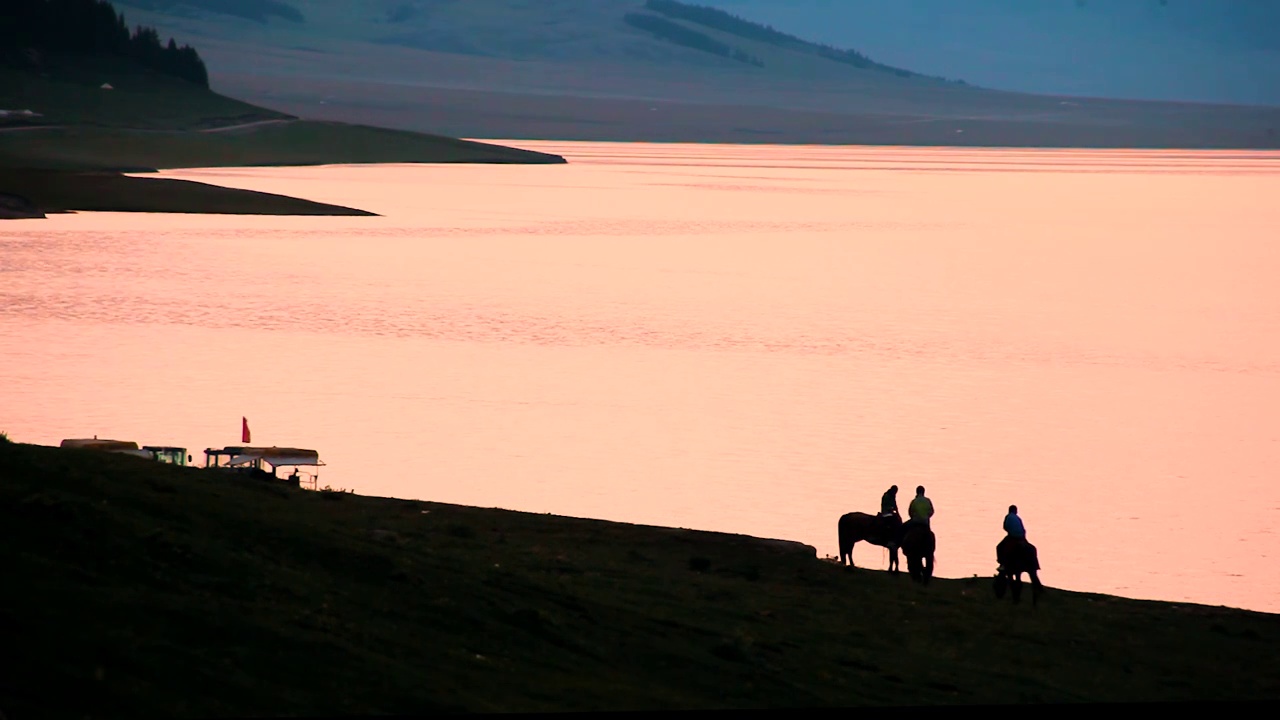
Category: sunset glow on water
<point>743,339</point>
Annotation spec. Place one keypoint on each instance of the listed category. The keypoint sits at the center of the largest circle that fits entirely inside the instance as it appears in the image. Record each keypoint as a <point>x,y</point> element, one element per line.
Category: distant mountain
<point>635,33</point>
<point>1186,50</point>
<point>81,91</point>
<point>663,70</point>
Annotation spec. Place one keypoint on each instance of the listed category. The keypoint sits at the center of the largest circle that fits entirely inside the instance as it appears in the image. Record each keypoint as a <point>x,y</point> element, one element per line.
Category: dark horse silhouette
<point>860,527</point>
<point>918,544</point>
<point>1016,557</point>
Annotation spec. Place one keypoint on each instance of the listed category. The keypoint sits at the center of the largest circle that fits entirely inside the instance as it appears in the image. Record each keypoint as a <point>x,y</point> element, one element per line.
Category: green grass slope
<point>71,93</point>
<point>134,588</point>
<point>150,120</point>
<point>54,160</point>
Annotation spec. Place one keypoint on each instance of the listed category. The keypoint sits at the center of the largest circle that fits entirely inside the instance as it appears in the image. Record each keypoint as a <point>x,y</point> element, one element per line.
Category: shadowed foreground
<point>135,587</point>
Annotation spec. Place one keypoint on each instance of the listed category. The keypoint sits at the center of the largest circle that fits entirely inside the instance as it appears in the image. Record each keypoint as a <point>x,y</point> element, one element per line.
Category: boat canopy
<point>100,444</point>
<point>274,456</point>
<point>118,446</point>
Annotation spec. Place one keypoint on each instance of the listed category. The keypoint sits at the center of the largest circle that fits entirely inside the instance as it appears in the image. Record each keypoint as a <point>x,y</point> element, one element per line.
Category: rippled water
<point>744,339</point>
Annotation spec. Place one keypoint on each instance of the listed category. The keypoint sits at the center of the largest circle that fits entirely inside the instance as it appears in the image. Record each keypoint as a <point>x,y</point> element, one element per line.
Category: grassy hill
<point>146,119</point>
<point>139,588</point>
<point>550,31</point>
<point>642,70</point>
<point>71,93</point>
<point>83,96</point>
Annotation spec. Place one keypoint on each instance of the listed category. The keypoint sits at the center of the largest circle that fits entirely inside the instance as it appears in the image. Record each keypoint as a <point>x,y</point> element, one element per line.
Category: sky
<point>1193,50</point>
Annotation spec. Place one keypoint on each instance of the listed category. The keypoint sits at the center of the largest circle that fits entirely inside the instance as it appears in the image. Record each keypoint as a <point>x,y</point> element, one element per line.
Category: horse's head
<point>1000,584</point>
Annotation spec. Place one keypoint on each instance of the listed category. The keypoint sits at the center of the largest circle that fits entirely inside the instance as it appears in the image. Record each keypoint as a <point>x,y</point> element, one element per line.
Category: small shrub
<point>330,493</point>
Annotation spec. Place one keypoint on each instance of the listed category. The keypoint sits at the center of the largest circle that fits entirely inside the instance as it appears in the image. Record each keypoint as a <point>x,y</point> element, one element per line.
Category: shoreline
<point>81,168</point>
<point>158,589</point>
<point>1274,151</point>
<point>47,192</point>
<point>81,187</point>
<point>827,116</point>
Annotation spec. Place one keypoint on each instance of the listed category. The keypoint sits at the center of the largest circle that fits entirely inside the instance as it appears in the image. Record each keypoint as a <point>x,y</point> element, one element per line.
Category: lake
<point>748,339</point>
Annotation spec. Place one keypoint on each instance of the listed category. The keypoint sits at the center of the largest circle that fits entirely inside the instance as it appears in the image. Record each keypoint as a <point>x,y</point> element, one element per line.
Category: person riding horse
<point>889,502</point>
<point>920,510</point>
<point>1015,533</point>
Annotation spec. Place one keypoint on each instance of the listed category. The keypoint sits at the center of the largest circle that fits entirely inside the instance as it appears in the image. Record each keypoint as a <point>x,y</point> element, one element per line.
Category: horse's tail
<point>846,536</point>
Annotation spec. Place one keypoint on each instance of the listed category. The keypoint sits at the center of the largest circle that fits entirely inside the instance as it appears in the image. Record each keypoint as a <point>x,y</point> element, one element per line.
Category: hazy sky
<point>1211,50</point>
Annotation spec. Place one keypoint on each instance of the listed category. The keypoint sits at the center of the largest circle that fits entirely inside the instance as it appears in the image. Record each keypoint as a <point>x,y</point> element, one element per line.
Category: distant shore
<point>54,192</point>
<point>997,121</point>
<point>67,169</point>
<point>155,589</point>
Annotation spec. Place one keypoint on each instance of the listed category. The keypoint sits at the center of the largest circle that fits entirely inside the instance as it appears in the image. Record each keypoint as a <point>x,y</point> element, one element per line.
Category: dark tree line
<point>734,25</point>
<point>91,27</point>
<point>680,35</point>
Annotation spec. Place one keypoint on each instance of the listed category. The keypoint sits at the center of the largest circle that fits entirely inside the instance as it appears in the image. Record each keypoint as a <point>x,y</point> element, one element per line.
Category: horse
<point>1016,557</point>
<point>874,529</point>
<point>918,543</point>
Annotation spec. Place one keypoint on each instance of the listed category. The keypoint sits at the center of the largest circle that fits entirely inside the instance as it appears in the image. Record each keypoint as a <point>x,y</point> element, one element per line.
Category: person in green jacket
<point>920,510</point>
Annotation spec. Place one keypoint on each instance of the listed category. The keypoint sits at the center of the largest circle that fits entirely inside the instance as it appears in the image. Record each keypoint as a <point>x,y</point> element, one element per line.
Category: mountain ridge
<point>576,70</point>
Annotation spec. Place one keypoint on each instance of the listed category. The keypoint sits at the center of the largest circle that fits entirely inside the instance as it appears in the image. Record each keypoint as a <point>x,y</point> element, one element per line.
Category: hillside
<point>641,70</point>
<point>73,66</point>
<point>83,98</point>
<point>1171,50</point>
<point>150,589</point>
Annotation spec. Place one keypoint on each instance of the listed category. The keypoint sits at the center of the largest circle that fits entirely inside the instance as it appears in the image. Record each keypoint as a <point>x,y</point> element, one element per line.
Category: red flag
<point>244,430</point>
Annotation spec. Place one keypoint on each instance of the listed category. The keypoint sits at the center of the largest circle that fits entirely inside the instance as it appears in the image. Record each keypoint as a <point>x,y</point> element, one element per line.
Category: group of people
<point>921,510</point>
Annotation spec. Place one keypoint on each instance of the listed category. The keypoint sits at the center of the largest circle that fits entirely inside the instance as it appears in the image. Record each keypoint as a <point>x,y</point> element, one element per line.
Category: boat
<point>255,458</point>
<point>235,457</point>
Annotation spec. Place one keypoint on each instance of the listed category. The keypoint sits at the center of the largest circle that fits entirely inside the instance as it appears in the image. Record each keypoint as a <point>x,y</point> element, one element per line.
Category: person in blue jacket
<point>1015,532</point>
